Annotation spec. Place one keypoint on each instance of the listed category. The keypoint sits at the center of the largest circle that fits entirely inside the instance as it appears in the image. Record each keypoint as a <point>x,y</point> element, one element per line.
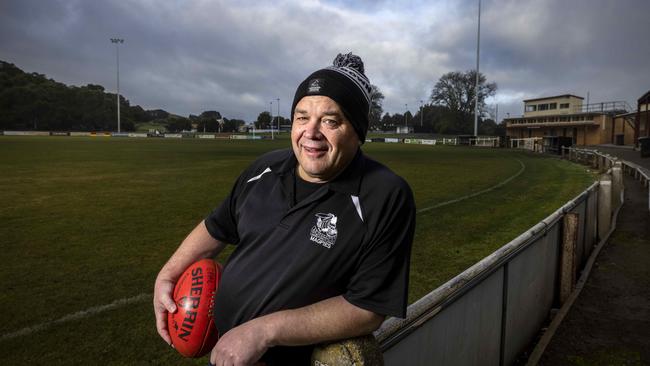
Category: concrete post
<point>604,205</point>
<point>568,257</point>
<point>617,185</point>
<point>594,161</point>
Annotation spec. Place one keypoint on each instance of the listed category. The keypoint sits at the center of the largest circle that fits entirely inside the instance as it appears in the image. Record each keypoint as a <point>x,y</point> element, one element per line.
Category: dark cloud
<point>235,57</point>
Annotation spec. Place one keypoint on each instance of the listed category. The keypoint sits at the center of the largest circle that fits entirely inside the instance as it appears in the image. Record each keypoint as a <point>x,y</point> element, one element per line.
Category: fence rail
<point>598,160</point>
<point>493,311</point>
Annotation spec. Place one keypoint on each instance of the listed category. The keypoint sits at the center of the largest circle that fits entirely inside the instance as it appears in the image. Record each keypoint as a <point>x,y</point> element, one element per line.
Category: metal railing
<point>615,107</point>
<point>597,159</point>
<point>491,312</point>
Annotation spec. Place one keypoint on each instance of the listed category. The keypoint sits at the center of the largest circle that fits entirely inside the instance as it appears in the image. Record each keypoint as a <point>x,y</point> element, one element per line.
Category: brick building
<point>587,124</point>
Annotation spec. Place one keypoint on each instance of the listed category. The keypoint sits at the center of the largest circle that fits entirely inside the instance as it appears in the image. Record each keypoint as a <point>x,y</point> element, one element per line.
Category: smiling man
<point>322,235</point>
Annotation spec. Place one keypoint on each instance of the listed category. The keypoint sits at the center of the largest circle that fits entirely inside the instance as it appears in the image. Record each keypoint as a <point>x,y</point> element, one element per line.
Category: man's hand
<point>241,346</point>
<point>162,304</point>
<point>198,244</point>
<point>327,320</point>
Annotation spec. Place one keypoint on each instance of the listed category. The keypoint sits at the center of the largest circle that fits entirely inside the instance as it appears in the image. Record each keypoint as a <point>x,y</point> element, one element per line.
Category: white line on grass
<point>76,316</point>
<point>523,167</point>
<point>121,302</point>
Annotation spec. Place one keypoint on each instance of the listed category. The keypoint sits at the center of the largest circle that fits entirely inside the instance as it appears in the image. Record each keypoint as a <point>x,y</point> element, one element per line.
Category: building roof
<point>645,97</point>
<point>557,96</point>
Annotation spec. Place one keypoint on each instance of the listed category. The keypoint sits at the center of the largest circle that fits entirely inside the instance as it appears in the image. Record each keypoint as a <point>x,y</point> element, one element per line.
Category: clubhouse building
<point>586,124</point>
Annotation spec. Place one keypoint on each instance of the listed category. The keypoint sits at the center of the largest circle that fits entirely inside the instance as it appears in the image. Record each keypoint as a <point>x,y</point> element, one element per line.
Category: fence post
<point>617,185</point>
<point>604,205</point>
<point>568,258</point>
<point>594,161</point>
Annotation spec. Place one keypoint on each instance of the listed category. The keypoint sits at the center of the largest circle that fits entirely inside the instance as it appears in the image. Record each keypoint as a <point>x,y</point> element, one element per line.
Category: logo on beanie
<point>315,85</point>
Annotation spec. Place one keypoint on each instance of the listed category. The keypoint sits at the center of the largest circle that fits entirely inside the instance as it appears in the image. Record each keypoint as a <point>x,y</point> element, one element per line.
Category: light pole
<point>117,42</point>
<point>476,90</point>
<point>271,115</point>
<point>421,112</point>
<point>278,116</point>
<point>406,109</point>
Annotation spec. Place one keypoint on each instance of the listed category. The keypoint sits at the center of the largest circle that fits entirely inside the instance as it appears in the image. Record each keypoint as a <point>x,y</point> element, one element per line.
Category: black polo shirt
<point>350,237</point>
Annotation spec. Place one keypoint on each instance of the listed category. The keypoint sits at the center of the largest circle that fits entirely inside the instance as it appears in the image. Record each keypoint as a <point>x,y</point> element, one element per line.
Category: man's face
<point>323,140</point>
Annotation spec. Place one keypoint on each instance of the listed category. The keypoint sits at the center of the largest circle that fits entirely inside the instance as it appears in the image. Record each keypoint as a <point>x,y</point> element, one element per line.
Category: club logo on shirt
<point>324,232</point>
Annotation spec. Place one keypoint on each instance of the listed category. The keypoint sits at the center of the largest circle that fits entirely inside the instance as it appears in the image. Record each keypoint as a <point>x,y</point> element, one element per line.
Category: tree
<point>232,125</point>
<point>178,124</point>
<point>207,121</point>
<point>456,91</point>
<point>376,109</point>
<point>263,120</point>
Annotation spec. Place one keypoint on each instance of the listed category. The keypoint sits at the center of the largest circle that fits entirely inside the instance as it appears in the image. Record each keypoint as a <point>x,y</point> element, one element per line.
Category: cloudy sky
<point>188,56</point>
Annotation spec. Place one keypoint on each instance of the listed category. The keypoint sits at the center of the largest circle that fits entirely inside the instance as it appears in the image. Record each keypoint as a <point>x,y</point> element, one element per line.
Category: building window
<point>564,105</point>
<point>531,108</point>
<point>552,106</point>
<point>542,107</point>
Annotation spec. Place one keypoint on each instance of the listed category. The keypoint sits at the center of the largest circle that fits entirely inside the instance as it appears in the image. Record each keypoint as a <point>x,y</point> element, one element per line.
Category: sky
<point>188,56</point>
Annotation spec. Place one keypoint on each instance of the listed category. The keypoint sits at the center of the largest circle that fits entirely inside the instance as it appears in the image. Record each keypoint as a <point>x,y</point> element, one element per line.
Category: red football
<point>192,327</point>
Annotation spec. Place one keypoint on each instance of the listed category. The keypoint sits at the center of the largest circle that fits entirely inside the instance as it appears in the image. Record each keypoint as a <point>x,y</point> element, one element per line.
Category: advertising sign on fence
<point>133,134</point>
<point>174,135</point>
<point>392,140</point>
<point>429,142</point>
<point>205,136</point>
<point>27,133</point>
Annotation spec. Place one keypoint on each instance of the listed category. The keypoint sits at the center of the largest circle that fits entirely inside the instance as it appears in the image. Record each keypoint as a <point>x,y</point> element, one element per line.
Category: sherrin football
<point>191,327</point>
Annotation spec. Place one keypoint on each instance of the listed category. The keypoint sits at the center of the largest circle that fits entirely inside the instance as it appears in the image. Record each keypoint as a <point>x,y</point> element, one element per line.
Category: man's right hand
<point>163,303</point>
<point>197,245</point>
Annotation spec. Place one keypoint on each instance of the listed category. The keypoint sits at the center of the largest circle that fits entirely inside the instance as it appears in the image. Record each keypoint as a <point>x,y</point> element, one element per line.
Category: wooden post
<point>568,257</point>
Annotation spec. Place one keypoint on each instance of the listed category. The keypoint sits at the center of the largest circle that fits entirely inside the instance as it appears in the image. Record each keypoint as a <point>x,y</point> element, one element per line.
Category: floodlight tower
<point>476,89</point>
<point>271,115</point>
<point>117,42</point>
<point>406,109</point>
<point>421,111</point>
<point>278,121</point>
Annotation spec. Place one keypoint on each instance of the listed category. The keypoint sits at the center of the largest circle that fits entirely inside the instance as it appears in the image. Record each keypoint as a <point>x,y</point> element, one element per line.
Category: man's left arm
<point>327,320</point>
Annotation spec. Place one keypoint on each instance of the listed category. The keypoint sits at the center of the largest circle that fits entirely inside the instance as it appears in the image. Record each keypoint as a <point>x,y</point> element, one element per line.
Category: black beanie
<point>346,84</point>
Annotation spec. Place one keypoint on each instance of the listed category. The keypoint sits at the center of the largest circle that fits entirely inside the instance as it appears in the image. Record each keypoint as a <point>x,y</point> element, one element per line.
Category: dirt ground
<point>609,324</point>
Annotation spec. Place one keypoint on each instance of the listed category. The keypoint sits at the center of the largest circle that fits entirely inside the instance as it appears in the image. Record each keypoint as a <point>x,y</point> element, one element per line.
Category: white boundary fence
<point>599,160</point>
<point>485,141</point>
<point>490,313</point>
<point>528,143</point>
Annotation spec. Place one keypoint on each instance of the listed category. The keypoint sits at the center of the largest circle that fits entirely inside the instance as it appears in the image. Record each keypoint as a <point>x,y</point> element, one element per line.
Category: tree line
<point>449,109</point>
<point>31,101</point>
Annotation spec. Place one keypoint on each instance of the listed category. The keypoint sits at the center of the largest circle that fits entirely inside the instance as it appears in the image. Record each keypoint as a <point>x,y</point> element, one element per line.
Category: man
<point>322,233</point>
